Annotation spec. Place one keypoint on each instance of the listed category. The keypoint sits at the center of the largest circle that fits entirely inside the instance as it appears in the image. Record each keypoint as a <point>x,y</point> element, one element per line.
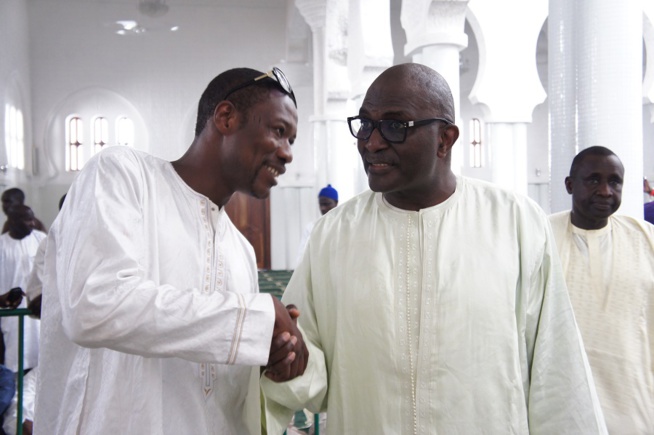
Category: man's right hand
<point>288,352</point>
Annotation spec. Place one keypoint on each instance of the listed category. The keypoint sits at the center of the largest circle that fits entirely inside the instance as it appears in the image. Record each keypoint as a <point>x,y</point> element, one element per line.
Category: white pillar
<point>435,36</point>
<point>509,155</point>
<point>507,87</point>
<point>602,59</point>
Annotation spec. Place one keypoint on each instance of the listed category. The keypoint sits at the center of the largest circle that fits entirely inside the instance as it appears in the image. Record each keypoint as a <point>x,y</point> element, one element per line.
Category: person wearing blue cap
<point>327,200</point>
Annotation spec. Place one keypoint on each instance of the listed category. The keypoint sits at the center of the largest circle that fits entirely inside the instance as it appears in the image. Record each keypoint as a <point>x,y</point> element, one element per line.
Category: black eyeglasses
<point>391,130</point>
<point>274,74</point>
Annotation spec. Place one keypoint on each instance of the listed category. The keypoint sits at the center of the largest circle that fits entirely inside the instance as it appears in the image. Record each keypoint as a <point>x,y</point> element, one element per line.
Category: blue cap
<point>329,192</point>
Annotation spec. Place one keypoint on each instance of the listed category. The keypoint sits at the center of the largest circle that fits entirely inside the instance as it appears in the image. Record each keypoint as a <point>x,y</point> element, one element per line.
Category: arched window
<point>100,133</point>
<point>75,139</point>
<point>124,131</point>
<point>476,151</point>
<point>14,137</point>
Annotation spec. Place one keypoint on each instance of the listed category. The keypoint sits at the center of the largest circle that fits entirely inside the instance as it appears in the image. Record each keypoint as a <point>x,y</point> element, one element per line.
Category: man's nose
<point>375,142</point>
<point>604,189</point>
<point>285,152</point>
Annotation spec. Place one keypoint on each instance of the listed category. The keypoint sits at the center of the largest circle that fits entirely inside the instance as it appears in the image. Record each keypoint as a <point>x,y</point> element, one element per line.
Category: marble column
<point>596,60</point>
<point>435,36</point>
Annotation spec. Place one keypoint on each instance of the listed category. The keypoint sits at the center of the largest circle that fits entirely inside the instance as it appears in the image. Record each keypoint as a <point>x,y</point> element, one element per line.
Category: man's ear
<point>449,135</point>
<point>568,185</point>
<point>225,117</point>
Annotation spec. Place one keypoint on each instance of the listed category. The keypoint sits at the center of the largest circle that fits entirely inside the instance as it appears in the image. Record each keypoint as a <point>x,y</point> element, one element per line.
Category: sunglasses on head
<point>275,74</point>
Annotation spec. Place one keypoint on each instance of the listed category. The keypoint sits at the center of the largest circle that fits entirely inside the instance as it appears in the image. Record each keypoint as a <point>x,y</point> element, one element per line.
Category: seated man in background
<point>608,260</point>
<point>18,248</point>
<point>15,196</point>
<point>434,303</point>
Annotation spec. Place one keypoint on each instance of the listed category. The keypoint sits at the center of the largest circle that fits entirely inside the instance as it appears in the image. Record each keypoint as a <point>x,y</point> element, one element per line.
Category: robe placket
<point>214,277</point>
<point>411,300</point>
<point>402,302</point>
<point>426,378</point>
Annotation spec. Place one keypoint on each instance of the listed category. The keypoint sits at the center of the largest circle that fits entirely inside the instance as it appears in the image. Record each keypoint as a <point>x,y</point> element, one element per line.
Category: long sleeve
<point>557,362</point>
<point>310,389</point>
<point>109,249</point>
<point>34,286</point>
<point>150,303</point>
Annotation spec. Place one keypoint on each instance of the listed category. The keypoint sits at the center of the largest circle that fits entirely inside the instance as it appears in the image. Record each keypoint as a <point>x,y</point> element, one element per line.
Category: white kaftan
<point>451,320</point>
<point>152,320</point>
<point>16,260</point>
<point>34,285</point>
<point>610,277</point>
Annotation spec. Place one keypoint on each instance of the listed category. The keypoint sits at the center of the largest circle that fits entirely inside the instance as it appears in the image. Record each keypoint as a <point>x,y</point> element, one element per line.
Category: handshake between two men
<point>288,352</point>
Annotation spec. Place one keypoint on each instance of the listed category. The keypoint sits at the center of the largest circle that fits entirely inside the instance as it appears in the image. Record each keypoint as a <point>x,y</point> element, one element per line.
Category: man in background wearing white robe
<point>18,247</point>
<point>152,320</point>
<point>433,304</point>
<point>608,261</point>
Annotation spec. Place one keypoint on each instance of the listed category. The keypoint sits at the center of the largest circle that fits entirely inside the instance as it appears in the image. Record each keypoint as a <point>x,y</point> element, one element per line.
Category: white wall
<point>15,87</point>
<point>74,48</point>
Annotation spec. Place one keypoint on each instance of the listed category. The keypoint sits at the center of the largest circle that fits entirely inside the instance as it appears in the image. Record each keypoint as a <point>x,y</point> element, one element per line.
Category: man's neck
<point>19,234</point>
<point>586,224</point>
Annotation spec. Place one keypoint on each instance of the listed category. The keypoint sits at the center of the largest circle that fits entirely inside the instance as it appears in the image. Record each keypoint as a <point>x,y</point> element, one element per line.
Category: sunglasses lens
<point>393,131</point>
<point>282,80</point>
<point>360,128</point>
<point>284,83</point>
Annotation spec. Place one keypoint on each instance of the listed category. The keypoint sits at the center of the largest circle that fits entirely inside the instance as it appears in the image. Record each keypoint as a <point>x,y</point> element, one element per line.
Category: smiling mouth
<point>273,171</point>
<point>379,168</point>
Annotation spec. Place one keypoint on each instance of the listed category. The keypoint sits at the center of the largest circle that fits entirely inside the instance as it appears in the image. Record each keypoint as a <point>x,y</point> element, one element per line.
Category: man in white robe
<point>18,247</point>
<point>34,286</point>
<point>433,304</point>
<point>152,320</point>
<point>608,261</point>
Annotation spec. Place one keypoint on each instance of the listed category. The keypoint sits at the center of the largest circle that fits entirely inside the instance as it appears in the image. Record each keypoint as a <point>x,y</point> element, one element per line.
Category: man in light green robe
<point>608,262</point>
<point>433,304</point>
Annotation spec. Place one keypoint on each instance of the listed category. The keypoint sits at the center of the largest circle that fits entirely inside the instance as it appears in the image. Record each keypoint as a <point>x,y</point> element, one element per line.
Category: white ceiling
<point>184,3</point>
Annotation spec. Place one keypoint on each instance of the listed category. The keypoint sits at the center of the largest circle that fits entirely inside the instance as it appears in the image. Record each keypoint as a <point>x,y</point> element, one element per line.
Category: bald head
<point>405,131</point>
<point>417,85</point>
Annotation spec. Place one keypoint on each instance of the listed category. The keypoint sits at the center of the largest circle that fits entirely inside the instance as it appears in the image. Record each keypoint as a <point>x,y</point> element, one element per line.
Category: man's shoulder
<point>38,235</point>
<point>559,217</point>
<point>353,203</point>
<point>122,157</point>
<point>632,225</point>
<point>481,193</point>
<point>351,210</point>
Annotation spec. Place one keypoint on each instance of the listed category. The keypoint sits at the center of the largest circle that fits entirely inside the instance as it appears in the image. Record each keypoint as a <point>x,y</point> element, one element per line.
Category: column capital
<point>433,22</point>
<point>313,11</point>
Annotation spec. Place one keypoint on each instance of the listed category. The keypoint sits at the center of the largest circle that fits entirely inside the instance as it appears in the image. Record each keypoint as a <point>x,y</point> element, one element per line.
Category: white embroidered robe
<point>16,261</point>
<point>152,321</point>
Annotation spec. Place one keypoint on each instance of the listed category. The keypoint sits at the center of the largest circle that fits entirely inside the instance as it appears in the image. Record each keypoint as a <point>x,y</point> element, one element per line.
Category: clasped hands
<point>12,298</point>
<point>288,352</point>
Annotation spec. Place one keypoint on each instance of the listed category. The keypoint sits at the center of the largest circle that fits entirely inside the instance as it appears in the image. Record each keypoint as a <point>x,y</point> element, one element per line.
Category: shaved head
<point>411,167</point>
<point>423,86</point>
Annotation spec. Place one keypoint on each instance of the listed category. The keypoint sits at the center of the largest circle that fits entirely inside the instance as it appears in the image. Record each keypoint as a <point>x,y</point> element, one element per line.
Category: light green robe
<point>463,303</point>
